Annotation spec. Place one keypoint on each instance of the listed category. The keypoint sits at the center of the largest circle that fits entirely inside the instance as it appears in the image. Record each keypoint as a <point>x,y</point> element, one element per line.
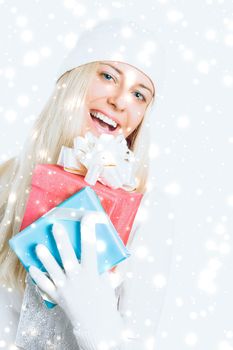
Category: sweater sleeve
<point>10,304</point>
<point>144,275</point>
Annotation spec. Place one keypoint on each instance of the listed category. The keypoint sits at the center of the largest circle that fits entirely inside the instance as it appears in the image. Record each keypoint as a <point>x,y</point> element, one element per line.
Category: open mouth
<point>103,125</point>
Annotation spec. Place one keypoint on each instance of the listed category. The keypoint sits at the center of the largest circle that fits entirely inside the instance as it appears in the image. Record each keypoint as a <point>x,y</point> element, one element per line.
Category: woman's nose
<point>118,100</point>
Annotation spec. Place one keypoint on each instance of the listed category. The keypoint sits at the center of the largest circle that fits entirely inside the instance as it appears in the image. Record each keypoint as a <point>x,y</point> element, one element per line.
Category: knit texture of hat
<point>118,40</point>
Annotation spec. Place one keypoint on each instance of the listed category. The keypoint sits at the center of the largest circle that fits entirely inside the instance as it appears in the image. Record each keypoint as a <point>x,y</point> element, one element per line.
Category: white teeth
<point>104,118</point>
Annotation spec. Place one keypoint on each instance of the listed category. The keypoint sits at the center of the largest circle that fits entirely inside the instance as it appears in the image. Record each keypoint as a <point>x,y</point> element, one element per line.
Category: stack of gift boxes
<point>60,195</point>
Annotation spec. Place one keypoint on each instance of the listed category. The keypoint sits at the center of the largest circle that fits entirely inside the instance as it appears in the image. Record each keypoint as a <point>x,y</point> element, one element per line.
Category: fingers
<point>88,239</point>
<point>51,265</point>
<point>65,248</point>
<point>43,282</point>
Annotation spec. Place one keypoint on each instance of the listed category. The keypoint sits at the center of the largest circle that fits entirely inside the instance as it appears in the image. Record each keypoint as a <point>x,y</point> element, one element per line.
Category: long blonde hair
<point>58,124</point>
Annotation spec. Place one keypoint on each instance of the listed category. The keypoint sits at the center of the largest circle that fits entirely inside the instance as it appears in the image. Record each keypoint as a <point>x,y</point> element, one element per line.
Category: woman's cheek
<point>139,117</point>
<point>100,90</point>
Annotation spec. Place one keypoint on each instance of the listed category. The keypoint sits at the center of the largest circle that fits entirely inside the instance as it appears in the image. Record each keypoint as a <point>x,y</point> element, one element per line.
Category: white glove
<point>87,298</point>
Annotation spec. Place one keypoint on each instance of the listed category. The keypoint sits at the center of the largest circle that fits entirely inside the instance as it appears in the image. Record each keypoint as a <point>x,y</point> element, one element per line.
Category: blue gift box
<point>110,248</point>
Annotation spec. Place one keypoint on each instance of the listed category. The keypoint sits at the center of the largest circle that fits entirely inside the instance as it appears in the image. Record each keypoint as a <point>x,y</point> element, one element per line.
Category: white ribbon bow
<point>106,159</point>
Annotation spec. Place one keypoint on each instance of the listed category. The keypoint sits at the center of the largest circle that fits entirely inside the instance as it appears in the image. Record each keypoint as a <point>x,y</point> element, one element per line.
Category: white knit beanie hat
<point>122,41</point>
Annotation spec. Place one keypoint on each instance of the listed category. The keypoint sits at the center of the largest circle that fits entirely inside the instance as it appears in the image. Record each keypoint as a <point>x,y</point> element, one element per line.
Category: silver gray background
<point>192,137</point>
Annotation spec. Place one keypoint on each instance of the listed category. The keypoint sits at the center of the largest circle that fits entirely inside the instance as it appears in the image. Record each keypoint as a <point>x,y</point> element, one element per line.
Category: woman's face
<point>118,95</point>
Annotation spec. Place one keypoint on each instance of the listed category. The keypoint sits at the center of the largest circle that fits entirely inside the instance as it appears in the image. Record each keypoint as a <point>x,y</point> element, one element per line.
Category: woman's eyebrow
<point>116,69</point>
<point>145,87</point>
<point>120,72</point>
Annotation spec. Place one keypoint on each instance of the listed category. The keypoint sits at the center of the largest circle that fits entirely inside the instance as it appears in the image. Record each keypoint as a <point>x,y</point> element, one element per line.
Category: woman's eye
<point>107,76</point>
<point>142,97</point>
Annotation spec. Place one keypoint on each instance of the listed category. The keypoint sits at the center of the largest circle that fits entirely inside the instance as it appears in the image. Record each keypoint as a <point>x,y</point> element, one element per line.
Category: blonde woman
<point>107,84</point>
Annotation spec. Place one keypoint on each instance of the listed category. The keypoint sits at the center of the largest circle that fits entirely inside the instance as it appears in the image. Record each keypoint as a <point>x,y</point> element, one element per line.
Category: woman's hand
<point>87,298</point>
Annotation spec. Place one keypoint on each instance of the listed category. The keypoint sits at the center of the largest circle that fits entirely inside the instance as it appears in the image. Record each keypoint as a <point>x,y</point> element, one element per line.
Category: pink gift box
<point>51,185</point>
